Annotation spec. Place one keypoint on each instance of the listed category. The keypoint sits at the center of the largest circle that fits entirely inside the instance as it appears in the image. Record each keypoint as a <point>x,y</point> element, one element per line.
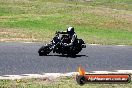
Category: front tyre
<point>44,50</point>
<point>42,54</point>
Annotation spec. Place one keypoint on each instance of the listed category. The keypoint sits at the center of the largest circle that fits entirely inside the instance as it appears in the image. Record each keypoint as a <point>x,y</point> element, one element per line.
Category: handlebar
<point>61,32</point>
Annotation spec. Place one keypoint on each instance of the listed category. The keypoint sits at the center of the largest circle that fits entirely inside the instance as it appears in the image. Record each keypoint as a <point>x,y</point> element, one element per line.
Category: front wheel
<point>44,50</point>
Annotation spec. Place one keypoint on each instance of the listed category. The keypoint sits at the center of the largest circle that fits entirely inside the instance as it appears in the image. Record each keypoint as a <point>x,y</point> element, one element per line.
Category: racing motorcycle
<point>57,45</point>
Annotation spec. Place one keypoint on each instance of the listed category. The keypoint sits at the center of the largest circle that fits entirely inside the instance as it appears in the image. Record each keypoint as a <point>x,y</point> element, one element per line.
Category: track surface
<point>22,58</point>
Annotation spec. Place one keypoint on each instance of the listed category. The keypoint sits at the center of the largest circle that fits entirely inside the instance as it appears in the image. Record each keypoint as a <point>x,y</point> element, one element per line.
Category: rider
<point>72,36</point>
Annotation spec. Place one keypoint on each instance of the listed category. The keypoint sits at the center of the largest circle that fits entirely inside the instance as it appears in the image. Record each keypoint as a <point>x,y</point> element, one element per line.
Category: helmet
<point>70,30</point>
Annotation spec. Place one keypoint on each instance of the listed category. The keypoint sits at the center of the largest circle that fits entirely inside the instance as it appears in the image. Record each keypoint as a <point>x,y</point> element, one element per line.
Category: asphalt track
<point>22,58</point>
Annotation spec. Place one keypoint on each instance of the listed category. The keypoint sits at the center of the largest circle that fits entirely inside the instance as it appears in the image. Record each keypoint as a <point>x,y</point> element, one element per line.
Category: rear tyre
<point>75,50</point>
<point>71,53</point>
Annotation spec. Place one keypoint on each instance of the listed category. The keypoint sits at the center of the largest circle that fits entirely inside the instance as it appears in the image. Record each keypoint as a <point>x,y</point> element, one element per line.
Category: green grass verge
<point>96,21</point>
<point>58,83</point>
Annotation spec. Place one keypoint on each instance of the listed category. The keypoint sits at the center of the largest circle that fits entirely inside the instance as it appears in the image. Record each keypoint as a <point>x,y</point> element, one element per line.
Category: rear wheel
<point>75,50</point>
<point>72,52</point>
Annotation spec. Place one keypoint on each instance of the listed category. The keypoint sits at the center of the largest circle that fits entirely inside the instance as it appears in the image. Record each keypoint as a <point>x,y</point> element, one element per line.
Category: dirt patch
<point>17,39</point>
<point>117,14</point>
<point>15,35</point>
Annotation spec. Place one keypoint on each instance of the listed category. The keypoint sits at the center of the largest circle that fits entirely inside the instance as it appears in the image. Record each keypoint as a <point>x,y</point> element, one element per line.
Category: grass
<point>64,82</point>
<point>96,21</point>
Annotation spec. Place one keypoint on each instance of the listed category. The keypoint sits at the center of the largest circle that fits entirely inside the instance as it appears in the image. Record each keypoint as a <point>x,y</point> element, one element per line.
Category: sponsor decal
<point>83,78</point>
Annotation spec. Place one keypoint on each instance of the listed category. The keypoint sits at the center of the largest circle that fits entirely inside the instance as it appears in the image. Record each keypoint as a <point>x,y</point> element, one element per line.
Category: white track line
<point>28,42</point>
<point>114,71</point>
<point>87,44</point>
<point>51,76</point>
<point>94,44</point>
<point>124,71</point>
<point>104,45</point>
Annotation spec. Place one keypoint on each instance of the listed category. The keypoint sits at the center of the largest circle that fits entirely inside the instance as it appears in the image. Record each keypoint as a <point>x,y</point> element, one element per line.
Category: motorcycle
<point>57,45</point>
